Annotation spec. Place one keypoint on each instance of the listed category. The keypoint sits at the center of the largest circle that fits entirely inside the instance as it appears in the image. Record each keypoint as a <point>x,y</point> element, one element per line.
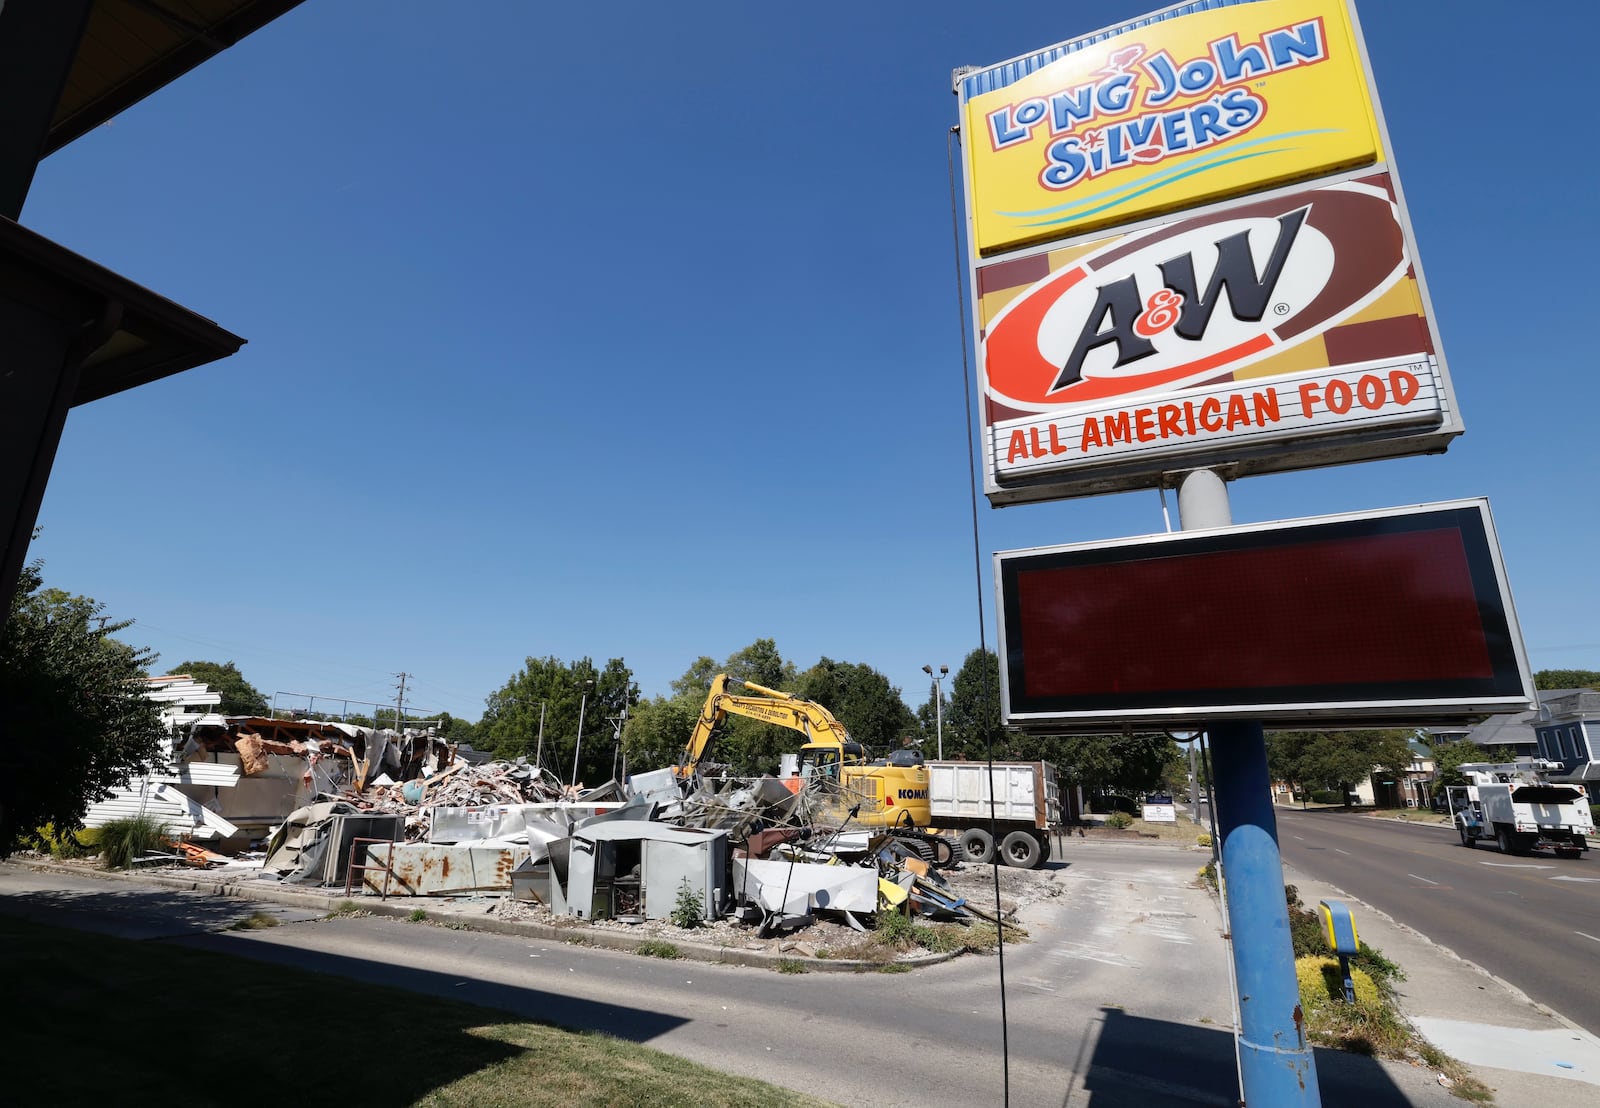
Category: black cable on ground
<point>986,701</point>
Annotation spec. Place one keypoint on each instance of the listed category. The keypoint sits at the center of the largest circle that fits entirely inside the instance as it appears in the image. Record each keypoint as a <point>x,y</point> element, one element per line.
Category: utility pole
<point>399,700</point>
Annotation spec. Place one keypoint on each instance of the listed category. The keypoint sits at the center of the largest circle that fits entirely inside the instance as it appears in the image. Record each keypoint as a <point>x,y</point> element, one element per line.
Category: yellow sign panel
<point>1170,114</point>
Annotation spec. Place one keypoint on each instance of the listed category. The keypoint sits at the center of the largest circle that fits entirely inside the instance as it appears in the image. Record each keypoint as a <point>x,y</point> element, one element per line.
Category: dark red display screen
<point>1380,609</point>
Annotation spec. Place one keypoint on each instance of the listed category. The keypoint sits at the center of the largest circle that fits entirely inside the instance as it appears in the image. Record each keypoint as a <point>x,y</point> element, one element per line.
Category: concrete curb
<point>447,914</point>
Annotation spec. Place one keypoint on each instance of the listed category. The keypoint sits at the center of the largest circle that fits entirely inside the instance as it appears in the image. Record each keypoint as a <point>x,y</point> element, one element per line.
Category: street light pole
<point>938,703</point>
<point>538,753</point>
<point>577,750</point>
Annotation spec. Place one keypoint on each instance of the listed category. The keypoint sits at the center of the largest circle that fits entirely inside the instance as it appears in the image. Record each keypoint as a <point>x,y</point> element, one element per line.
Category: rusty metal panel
<point>430,869</point>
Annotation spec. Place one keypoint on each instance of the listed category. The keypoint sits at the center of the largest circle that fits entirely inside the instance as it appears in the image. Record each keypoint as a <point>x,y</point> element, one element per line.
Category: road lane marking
<point>1586,935</point>
<point>1421,878</point>
<point>1301,838</point>
<point>1515,865</point>
<point>1346,853</point>
<point>1584,880</point>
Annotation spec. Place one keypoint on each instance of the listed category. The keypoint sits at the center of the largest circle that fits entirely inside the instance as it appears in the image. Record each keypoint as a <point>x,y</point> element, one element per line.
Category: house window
<point>1583,750</point>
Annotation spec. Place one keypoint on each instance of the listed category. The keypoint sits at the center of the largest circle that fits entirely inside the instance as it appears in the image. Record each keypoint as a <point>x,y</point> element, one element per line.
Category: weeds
<point>690,910</point>
<point>255,921</point>
<point>417,915</point>
<point>657,948</point>
<point>347,909</point>
<point>790,965</point>
<point>894,967</point>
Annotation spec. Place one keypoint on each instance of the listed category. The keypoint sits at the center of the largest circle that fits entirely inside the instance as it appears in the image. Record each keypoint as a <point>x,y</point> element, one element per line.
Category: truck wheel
<point>1466,839</point>
<point>1021,849</point>
<point>977,845</point>
<point>1503,838</point>
<point>1044,846</point>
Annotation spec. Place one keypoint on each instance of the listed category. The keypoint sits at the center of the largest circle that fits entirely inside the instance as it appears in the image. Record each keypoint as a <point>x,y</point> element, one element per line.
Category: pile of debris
<point>402,813</point>
<point>653,848</point>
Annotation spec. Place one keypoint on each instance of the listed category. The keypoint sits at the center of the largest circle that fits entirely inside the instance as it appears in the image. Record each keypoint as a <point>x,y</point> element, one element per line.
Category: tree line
<point>77,724</point>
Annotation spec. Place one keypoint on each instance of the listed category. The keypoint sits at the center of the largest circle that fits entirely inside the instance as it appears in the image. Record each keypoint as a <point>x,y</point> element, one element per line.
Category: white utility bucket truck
<point>1517,805</point>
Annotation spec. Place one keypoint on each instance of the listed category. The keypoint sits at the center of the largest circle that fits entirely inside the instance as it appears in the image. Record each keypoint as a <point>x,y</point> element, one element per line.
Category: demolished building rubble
<point>391,813</point>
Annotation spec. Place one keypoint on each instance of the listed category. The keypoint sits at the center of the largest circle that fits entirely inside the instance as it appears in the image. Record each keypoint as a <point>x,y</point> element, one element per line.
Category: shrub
<point>1208,875</point>
<point>1305,928</point>
<point>1326,796</point>
<point>690,909</point>
<point>1321,983</point>
<point>1203,839</point>
<point>1119,820</point>
<point>417,915</point>
<point>66,844</point>
<point>125,841</point>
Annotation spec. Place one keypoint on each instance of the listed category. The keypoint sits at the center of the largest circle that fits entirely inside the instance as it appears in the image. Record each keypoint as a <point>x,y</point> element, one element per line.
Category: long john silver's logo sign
<point>1194,300</point>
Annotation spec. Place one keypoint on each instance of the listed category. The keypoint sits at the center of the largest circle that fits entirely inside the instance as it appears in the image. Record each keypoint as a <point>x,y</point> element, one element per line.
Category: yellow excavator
<point>834,769</point>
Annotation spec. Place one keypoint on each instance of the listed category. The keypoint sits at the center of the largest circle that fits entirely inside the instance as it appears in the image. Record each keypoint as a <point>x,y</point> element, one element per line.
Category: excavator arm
<point>782,709</point>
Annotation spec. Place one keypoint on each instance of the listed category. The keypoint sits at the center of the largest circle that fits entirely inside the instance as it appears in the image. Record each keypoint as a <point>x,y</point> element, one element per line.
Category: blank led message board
<point>1397,616</point>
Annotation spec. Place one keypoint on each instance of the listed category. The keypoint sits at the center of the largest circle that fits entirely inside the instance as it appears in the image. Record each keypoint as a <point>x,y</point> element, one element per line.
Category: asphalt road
<point>1532,920</point>
<point>1120,999</point>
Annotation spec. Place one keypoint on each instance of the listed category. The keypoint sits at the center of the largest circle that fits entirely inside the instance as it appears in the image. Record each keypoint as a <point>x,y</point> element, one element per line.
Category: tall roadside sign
<point>1190,261</point>
<point>1188,247</point>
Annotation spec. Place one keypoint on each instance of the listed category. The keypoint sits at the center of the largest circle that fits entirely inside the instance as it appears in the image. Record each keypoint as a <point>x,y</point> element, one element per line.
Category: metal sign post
<point>1276,1065</point>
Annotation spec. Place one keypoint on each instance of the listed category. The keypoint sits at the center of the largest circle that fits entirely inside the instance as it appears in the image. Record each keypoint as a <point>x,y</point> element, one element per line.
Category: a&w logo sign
<point>1193,301</point>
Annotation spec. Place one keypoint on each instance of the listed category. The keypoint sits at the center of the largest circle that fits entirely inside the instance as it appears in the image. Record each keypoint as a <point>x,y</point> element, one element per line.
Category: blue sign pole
<point>1276,1066</point>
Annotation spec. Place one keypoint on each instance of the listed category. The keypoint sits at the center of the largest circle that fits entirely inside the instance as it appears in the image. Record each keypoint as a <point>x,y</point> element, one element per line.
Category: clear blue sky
<point>630,330</point>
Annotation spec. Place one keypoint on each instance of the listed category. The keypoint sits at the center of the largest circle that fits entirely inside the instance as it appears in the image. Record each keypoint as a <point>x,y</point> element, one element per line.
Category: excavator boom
<point>888,795</point>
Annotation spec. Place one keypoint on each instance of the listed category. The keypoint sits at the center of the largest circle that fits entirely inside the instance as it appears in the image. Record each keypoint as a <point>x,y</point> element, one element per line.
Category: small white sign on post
<point>1160,813</point>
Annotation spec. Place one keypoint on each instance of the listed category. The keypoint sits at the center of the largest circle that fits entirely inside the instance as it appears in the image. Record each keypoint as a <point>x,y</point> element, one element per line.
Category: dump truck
<point>1027,807</point>
<point>1517,805</point>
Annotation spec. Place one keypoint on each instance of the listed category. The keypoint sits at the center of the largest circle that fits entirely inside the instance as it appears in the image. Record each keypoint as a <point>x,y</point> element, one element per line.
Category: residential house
<point>1565,729</point>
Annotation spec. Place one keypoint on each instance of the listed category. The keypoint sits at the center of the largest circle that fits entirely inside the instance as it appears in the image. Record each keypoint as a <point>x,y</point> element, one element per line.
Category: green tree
<point>239,697</point>
<point>760,662</point>
<point>862,699</point>
<point>456,730</point>
<point>657,730</point>
<point>1124,764</point>
<point>561,692</point>
<point>1336,759</point>
<point>1566,679</point>
<point>1447,759</point>
<point>76,723</point>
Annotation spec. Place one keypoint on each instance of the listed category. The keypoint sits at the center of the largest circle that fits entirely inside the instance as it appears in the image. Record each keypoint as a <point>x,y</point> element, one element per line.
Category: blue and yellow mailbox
<point>1340,928</point>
